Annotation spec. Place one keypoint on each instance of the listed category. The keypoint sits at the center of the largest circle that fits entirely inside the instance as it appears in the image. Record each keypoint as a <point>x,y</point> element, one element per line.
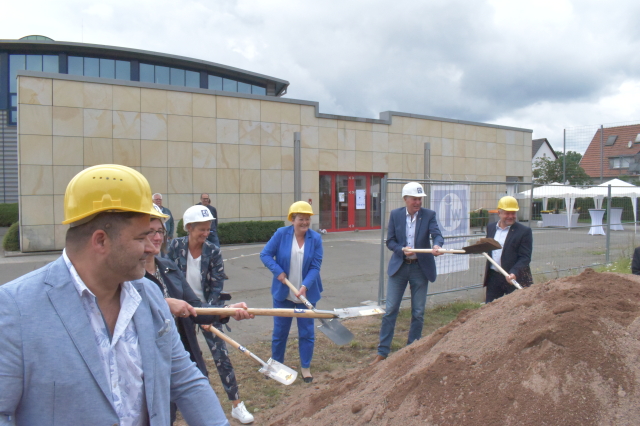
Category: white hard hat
<point>413,189</point>
<point>159,210</point>
<point>196,214</point>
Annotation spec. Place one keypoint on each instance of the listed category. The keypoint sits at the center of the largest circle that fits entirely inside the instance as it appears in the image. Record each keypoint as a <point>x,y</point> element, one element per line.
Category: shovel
<point>331,328</point>
<point>297,313</point>
<point>278,372</point>
<point>482,246</point>
<point>505,273</point>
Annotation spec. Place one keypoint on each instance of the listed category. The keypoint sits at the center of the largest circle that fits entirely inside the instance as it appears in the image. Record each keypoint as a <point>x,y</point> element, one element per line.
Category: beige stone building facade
<point>238,148</point>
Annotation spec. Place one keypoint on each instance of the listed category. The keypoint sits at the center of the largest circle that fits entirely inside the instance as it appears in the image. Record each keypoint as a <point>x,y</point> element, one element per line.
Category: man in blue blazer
<point>86,340</point>
<point>515,255</point>
<point>409,227</point>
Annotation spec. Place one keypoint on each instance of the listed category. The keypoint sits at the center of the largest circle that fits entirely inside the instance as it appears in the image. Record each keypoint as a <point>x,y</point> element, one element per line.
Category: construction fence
<point>573,228</point>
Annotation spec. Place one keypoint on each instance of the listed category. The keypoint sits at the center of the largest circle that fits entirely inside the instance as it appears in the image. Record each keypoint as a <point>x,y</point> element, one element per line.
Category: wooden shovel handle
<point>298,313</point>
<point>226,338</point>
<point>452,251</point>
<point>301,297</point>
<point>505,273</point>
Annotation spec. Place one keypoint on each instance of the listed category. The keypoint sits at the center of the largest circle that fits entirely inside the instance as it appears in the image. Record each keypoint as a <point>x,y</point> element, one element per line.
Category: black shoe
<point>308,379</point>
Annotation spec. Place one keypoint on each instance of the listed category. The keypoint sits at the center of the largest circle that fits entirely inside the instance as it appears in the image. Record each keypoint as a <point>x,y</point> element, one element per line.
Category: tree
<point>548,171</point>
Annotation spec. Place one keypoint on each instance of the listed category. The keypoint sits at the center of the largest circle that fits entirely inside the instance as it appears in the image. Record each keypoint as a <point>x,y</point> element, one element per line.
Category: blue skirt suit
<point>276,256</point>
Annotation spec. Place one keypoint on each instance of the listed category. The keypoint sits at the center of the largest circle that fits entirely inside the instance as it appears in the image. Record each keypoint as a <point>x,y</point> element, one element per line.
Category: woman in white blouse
<point>295,252</point>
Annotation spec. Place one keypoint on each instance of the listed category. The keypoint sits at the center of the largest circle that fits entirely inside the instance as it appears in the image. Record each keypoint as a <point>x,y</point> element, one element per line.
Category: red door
<point>349,201</point>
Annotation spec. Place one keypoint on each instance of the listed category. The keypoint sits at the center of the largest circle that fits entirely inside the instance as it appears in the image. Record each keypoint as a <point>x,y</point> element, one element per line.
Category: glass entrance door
<point>349,201</point>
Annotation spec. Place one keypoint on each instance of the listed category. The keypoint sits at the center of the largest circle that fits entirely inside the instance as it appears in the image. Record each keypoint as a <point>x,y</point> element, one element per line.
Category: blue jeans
<point>396,285</point>
<point>281,327</point>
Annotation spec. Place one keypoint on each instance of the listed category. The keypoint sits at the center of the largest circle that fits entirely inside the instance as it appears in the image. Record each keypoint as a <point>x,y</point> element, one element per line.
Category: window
<point>165,75</point>
<point>620,162</point>
<point>99,67</point>
<point>147,73</point>
<point>46,63</point>
<point>192,79</point>
<point>611,140</point>
<point>177,77</point>
<point>229,85</point>
<point>215,83</point>
<point>637,138</point>
<point>257,90</point>
<point>244,88</point>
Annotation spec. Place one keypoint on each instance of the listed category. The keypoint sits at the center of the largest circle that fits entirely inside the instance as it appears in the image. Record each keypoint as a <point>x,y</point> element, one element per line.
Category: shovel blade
<point>279,372</point>
<point>359,311</point>
<point>484,245</point>
<point>336,332</point>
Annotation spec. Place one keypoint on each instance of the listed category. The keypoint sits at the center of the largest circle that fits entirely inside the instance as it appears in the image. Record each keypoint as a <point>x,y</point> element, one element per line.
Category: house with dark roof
<point>620,152</point>
<point>541,148</point>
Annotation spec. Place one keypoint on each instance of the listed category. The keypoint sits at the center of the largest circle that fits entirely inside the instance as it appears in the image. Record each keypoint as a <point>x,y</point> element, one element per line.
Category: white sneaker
<point>241,414</point>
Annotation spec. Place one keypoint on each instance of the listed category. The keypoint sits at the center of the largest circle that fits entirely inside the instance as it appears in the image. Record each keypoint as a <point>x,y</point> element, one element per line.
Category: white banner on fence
<point>451,204</point>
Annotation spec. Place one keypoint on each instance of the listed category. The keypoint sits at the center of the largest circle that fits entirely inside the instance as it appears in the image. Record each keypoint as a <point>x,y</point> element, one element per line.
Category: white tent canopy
<point>556,190</point>
<point>619,188</point>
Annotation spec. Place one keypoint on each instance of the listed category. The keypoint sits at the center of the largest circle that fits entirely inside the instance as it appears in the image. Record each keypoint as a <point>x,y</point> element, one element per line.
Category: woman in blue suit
<point>294,252</point>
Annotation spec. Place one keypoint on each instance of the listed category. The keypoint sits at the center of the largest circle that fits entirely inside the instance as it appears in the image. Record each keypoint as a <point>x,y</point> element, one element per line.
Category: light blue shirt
<point>501,237</point>
<point>411,232</point>
<point>120,353</point>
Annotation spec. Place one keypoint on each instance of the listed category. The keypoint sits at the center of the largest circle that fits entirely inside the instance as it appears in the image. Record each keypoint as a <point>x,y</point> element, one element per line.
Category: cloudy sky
<point>545,65</point>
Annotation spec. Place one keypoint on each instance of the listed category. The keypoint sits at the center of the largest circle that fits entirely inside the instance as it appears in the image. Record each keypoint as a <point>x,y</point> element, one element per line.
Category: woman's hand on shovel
<point>241,312</point>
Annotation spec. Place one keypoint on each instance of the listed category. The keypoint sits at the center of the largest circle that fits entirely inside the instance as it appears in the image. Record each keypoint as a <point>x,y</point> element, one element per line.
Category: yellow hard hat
<point>508,204</point>
<point>299,207</point>
<point>107,187</point>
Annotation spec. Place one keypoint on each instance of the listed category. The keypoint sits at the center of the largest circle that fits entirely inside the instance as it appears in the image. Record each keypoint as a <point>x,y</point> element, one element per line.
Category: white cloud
<point>541,65</point>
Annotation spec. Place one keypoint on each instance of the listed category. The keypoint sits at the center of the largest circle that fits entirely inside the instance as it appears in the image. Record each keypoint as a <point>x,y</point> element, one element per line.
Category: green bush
<point>479,218</point>
<point>8,214</point>
<point>180,232</point>
<point>11,240</point>
<point>242,232</point>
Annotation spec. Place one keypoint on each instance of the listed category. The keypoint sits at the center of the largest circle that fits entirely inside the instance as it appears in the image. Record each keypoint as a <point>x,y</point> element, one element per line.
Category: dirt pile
<point>562,353</point>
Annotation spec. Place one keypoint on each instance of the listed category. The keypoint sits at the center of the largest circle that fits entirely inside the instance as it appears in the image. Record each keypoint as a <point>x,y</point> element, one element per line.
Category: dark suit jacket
<point>516,253</point>
<point>179,288</point>
<point>426,228</point>
<point>635,264</point>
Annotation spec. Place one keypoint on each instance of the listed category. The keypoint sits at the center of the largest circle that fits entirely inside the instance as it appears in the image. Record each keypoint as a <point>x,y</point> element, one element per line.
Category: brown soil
<point>566,352</point>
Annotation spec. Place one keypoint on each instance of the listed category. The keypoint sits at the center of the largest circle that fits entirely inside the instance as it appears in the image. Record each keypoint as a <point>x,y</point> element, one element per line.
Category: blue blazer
<point>50,368</point>
<point>279,247</point>
<point>426,228</point>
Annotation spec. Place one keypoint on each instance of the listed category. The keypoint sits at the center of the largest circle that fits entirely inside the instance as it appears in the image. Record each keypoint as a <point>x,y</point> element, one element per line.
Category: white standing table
<point>596,221</point>
<point>616,219</point>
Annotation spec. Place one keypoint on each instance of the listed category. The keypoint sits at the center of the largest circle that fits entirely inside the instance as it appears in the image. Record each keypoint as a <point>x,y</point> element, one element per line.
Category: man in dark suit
<point>409,227</point>
<point>515,255</point>
<point>213,233</point>
<point>635,263</point>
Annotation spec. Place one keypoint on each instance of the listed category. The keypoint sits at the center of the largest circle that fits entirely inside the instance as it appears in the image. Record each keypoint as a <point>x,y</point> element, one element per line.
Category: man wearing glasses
<point>157,200</point>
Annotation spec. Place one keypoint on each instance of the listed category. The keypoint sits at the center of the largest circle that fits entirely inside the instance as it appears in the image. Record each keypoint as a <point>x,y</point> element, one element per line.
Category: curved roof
<point>36,37</point>
<point>156,58</point>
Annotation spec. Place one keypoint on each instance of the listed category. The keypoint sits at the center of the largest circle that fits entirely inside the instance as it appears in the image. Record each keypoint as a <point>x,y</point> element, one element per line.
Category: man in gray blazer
<point>409,227</point>
<point>86,340</point>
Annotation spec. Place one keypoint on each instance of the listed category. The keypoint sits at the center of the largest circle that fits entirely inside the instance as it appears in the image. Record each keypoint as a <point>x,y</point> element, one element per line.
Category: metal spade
<point>272,368</point>
<point>336,332</point>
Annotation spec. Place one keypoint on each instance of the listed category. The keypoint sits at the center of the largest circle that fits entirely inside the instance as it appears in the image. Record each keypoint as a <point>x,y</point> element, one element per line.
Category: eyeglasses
<point>206,199</point>
<point>154,232</point>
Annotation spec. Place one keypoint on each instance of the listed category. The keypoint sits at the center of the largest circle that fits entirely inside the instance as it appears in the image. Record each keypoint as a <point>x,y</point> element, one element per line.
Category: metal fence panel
<point>570,233</point>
